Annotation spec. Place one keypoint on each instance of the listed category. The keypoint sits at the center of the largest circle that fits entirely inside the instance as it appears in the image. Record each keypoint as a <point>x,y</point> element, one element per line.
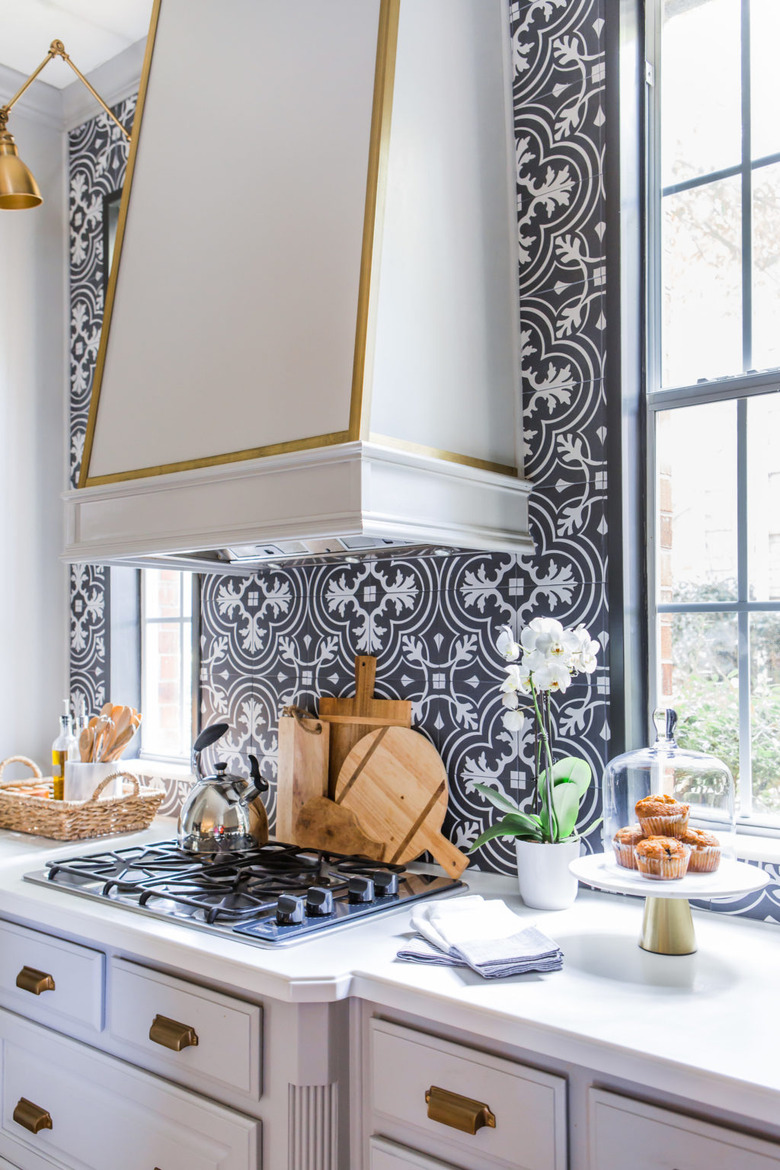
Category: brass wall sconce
<point>18,188</point>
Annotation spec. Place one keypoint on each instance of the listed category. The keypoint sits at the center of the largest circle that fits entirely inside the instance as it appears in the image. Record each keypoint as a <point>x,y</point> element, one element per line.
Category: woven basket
<point>73,820</point>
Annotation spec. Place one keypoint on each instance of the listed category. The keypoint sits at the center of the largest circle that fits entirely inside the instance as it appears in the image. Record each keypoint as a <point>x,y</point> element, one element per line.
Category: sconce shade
<point>18,188</point>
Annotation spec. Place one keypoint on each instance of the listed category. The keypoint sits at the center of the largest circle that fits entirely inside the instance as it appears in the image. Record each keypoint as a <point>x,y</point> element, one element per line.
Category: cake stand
<point>667,928</point>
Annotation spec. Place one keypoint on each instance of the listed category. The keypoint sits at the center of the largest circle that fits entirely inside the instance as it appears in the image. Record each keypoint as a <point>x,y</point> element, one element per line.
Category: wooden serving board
<point>395,783</point>
<point>303,771</point>
<point>351,719</point>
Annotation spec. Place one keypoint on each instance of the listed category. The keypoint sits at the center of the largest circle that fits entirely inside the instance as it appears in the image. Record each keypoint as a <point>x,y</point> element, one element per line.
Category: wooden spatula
<point>395,783</point>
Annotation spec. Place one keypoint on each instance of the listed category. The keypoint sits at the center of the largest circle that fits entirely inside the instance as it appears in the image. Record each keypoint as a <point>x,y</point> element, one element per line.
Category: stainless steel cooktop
<point>272,896</point>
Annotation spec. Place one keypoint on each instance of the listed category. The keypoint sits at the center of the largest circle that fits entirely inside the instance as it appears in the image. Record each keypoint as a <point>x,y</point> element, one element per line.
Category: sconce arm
<point>57,49</point>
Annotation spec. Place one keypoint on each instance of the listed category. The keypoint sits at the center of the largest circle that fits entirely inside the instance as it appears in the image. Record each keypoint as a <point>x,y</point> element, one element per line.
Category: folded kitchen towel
<point>484,935</point>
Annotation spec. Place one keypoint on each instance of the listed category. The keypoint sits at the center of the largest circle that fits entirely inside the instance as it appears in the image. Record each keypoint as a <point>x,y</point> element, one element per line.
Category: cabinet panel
<point>76,972</point>
<point>529,1107</point>
<point>105,1114</point>
<point>228,1031</point>
<point>624,1132</point>
<point>387,1155</point>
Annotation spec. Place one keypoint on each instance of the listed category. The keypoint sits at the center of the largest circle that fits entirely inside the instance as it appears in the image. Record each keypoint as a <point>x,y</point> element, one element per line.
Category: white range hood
<point>311,333</point>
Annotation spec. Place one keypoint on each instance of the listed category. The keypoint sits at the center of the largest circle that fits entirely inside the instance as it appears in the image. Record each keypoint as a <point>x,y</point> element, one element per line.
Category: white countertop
<point>705,1025</point>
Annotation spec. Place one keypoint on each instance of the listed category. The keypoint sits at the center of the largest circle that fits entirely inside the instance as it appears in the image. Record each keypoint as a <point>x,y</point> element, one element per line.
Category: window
<point>713,383</point>
<point>166,663</point>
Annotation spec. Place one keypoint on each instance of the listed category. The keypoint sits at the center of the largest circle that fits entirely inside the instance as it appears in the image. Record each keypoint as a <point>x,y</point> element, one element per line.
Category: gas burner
<point>269,896</point>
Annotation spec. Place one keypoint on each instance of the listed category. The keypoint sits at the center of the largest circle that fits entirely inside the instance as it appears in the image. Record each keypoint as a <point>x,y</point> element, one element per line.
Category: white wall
<point>33,382</point>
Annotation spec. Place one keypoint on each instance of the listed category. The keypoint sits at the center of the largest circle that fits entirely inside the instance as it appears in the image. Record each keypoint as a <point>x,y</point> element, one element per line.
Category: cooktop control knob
<point>385,884</point>
<point>319,902</point>
<point>289,910</point>
<point>361,890</point>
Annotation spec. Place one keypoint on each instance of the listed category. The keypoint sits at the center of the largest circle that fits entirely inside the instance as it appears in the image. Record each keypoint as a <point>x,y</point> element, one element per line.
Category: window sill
<point>162,769</point>
<point>752,847</point>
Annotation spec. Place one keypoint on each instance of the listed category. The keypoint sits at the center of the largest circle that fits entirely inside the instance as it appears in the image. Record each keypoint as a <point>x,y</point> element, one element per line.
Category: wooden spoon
<point>86,743</point>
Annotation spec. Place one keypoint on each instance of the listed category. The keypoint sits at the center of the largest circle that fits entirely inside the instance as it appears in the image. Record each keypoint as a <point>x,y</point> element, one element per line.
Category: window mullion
<point>743,619</point>
<point>747,197</point>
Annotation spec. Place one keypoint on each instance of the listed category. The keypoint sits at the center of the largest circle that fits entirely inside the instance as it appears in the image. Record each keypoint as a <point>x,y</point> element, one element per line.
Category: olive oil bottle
<point>64,748</point>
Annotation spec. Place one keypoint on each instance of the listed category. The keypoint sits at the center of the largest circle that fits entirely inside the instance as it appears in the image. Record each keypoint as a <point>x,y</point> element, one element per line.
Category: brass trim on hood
<point>376,184</point>
<point>97,379</point>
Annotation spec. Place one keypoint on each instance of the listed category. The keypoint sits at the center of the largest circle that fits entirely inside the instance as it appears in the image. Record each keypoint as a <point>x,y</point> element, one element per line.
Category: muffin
<point>623,843</point>
<point>705,850</point>
<point>662,816</point>
<point>663,858</point>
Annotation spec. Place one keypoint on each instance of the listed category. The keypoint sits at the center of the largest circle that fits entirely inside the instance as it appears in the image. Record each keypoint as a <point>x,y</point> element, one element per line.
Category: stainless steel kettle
<point>219,815</point>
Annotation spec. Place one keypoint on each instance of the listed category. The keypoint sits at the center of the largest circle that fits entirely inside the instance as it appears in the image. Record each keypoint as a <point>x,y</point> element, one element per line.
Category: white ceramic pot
<point>543,874</point>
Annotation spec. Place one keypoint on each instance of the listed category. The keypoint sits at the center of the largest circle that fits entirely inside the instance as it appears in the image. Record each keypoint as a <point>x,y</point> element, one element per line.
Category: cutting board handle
<point>365,677</point>
<point>448,855</point>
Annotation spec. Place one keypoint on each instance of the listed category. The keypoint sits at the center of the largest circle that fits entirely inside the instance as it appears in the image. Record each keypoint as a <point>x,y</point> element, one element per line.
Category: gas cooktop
<point>274,895</point>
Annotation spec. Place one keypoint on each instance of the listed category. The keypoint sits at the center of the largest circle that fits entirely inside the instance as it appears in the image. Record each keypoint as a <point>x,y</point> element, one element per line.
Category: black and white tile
<point>97,160</point>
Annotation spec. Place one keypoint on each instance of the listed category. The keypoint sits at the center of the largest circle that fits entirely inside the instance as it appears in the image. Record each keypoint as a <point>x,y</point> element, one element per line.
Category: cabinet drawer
<point>229,1032</point>
<point>529,1107</point>
<point>76,972</point>
<point>387,1155</point>
<point>105,1114</point>
<point>624,1133</point>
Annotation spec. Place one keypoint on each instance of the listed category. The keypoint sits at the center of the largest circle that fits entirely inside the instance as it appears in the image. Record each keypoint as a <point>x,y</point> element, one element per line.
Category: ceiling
<point>92,31</point>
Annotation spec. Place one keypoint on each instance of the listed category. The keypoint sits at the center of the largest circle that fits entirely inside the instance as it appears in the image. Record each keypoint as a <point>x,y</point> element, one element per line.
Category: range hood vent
<point>316,354</point>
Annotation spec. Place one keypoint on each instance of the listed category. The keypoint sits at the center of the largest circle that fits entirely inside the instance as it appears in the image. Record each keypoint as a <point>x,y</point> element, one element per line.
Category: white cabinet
<point>84,1110</point>
<point>50,980</point>
<point>193,1034</point>
<point>628,1133</point>
<point>385,1155</point>
<point>448,1097</point>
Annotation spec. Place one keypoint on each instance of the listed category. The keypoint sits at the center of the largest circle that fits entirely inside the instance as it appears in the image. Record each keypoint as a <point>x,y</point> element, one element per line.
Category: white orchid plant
<point>544,662</point>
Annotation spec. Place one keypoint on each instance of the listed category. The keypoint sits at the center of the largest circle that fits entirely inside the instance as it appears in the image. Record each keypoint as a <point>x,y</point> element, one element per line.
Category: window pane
<point>696,459</point>
<point>700,78</point>
<point>764,496</point>
<point>162,593</point>
<point>702,283</point>
<point>765,710</point>
<point>699,678</point>
<point>766,266</point>
<point>765,95</point>
<point>163,698</point>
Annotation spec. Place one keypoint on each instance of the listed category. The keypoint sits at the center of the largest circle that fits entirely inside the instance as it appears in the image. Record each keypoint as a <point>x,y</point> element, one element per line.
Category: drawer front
<point>229,1032</point>
<point>529,1107</point>
<point>76,972</point>
<point>387,1155</point>
<point>624,1132</point>
<point>99,1113</point>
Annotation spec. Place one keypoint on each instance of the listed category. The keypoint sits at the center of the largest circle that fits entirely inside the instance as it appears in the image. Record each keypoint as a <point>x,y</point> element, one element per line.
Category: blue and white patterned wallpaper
<point>291,634</point>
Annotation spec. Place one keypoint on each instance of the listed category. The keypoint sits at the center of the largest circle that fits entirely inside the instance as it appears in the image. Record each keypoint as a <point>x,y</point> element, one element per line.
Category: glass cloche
<point>692,778</point>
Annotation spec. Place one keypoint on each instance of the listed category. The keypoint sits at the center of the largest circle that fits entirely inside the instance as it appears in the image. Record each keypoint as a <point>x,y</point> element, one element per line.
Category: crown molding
<point>116,80</point>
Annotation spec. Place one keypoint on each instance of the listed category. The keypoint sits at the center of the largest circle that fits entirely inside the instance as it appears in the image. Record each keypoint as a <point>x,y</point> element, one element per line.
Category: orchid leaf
<point>514,825</point>
<point>567,806</point>
<point>576,771</point>
<point>505,803</point>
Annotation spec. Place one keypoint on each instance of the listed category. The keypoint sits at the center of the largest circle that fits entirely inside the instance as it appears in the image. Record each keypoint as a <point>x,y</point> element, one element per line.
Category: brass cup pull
<point>171,1034</point>
<point>36,982</point>
<point>31,1116</point>
<point>459,1112</point>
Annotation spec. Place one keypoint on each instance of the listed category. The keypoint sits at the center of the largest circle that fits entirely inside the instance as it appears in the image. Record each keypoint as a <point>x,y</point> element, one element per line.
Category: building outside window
<point>713,382</point>
<point>167,664</point>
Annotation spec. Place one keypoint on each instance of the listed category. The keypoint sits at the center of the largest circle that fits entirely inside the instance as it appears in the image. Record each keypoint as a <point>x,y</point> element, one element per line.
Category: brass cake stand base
<point>667,927</point>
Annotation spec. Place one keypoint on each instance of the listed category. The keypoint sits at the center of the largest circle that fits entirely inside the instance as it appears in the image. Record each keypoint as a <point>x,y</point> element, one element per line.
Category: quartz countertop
<point>703,1025</point>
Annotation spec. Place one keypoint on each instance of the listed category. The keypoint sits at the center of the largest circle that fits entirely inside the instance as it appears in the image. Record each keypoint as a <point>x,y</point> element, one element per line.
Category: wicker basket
<point>73,820</point>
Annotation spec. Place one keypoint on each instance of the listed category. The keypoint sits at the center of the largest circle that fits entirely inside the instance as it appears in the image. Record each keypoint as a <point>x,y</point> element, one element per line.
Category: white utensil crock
<point>543,874</point>
<point>81,780</point>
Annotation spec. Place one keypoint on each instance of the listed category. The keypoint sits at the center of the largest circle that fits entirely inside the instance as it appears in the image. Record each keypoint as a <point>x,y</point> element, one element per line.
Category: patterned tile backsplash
<point>290,634</point>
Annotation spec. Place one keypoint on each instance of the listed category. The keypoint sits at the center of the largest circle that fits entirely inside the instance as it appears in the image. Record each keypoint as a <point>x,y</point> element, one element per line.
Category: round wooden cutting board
<point>395,783</point>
